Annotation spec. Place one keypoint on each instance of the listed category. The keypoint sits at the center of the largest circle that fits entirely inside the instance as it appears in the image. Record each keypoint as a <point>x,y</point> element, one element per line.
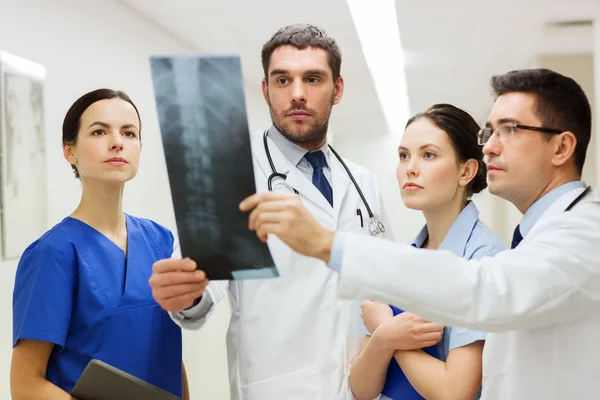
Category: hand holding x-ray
<point>283,215</point>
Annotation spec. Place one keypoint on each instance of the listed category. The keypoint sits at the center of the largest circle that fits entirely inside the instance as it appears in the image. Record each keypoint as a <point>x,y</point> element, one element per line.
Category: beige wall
<point>86,45</point>
<point>581,68</point>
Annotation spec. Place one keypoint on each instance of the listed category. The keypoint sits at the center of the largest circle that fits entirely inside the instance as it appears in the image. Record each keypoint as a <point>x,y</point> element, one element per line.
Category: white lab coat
<point>541,301</point>
<point>291,337</point>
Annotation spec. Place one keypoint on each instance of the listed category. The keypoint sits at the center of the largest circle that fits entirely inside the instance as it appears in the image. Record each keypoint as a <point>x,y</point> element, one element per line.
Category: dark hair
<point>560,103</point>
<point>302,36</point>
<point>72,121</point>
<point>462,130</point>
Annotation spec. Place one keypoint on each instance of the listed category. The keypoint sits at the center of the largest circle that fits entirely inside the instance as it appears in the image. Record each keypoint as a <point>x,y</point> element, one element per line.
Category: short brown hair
<point>302,36</point>
<point>560,103</point>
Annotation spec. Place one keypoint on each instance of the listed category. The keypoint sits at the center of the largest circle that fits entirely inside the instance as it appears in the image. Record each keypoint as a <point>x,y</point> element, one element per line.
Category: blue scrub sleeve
<point>460,337</point>
<point>43,296</point>
<point>337,251</point>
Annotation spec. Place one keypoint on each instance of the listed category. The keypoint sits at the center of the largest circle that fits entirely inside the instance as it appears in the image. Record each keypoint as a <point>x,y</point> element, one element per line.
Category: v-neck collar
<point>127,228</point>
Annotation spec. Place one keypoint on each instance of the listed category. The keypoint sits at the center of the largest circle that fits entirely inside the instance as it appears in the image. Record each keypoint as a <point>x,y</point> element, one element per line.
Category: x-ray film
<point>206,140</point>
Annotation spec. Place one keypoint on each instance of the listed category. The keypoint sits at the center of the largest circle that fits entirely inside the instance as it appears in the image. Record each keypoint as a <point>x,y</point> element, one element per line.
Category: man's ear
<point>338,90</point>
<point>564,148</point>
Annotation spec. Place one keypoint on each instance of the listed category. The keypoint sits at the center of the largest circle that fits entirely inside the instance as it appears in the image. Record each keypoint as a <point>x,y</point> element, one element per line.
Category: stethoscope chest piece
<point>376,228</point>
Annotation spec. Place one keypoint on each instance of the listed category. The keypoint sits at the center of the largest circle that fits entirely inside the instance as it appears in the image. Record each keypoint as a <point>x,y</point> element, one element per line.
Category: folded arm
<point>369,369</point>
<point>459,378</point>
<point>404,331</point>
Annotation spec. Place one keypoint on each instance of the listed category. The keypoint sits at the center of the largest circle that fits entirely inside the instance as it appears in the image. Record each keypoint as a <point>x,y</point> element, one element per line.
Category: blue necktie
<point>317,161</point>
<point>517,237</point>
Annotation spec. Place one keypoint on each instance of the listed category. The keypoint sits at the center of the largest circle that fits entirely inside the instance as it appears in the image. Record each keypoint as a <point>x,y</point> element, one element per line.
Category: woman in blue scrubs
<point>404,358</point>
<point>81,290</point>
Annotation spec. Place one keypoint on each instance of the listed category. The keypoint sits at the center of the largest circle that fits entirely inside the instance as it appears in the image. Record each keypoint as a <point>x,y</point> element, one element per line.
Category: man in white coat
<point>540,300</point>
<point>290,337</point>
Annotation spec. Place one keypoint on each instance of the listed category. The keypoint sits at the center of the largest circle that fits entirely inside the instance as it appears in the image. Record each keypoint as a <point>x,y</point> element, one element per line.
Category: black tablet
<point>100,381</point>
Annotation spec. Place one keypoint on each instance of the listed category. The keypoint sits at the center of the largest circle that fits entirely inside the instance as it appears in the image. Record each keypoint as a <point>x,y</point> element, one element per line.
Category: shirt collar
<point>291,151</point>
<point>419,241</point>
<point>543,203</point>
<point>457,237</point>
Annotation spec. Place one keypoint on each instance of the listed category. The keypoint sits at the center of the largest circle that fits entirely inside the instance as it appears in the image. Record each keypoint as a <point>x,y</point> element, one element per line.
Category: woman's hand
<point>374,314</point>
<point>407,331</point>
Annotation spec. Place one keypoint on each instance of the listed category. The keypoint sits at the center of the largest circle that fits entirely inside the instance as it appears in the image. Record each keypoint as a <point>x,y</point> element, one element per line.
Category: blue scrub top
<point>468,237</point>
<point>76,288</point>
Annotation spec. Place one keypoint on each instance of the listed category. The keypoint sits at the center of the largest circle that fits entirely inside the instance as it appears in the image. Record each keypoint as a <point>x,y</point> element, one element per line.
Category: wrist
<point>194,304</point>
<point>380,339</point>
<point>381,342</point>
<point>324,244</point>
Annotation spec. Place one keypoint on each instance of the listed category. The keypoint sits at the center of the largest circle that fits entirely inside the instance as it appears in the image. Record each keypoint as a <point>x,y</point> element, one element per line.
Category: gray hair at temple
<point>302,36</point>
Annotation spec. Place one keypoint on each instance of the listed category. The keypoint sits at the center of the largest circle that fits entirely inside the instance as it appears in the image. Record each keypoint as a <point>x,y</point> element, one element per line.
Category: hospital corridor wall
<point>85,45</point>
<point>110,49</point>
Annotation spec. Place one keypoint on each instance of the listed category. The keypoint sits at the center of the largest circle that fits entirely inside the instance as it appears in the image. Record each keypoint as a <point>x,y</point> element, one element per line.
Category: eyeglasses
<point>507,129</point>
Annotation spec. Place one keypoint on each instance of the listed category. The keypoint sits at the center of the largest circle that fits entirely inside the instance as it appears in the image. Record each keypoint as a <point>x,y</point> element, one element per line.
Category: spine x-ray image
<point>204,128</point>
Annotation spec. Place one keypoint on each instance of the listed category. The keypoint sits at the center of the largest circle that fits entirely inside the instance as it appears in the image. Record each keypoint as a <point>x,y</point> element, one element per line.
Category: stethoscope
<point>376,227</point>
<point>587,190</point>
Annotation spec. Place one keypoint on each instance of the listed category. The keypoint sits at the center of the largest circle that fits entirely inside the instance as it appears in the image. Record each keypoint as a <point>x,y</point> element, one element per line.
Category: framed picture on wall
<point>23,194</point>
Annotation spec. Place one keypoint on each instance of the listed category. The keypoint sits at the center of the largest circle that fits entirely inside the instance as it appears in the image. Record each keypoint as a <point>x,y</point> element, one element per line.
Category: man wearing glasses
<point>541,299</point>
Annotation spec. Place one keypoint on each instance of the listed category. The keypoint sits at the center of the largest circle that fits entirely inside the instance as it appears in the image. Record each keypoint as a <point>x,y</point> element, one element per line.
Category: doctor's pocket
<point>297,385</point>
<point>355,222</point>
<point>496,366</point>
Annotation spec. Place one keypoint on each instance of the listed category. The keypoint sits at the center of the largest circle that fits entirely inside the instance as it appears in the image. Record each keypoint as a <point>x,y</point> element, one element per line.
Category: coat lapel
<point>340,183</point>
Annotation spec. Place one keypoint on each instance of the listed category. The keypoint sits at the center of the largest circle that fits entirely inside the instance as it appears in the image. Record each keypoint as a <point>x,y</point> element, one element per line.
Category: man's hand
<point>284,216</point>
<point>407,331</point>
<point>176,284</point>
<point>375,314</point>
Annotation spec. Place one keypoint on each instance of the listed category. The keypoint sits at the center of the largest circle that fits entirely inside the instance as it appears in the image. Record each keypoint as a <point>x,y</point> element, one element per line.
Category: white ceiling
<point>452,48</point>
